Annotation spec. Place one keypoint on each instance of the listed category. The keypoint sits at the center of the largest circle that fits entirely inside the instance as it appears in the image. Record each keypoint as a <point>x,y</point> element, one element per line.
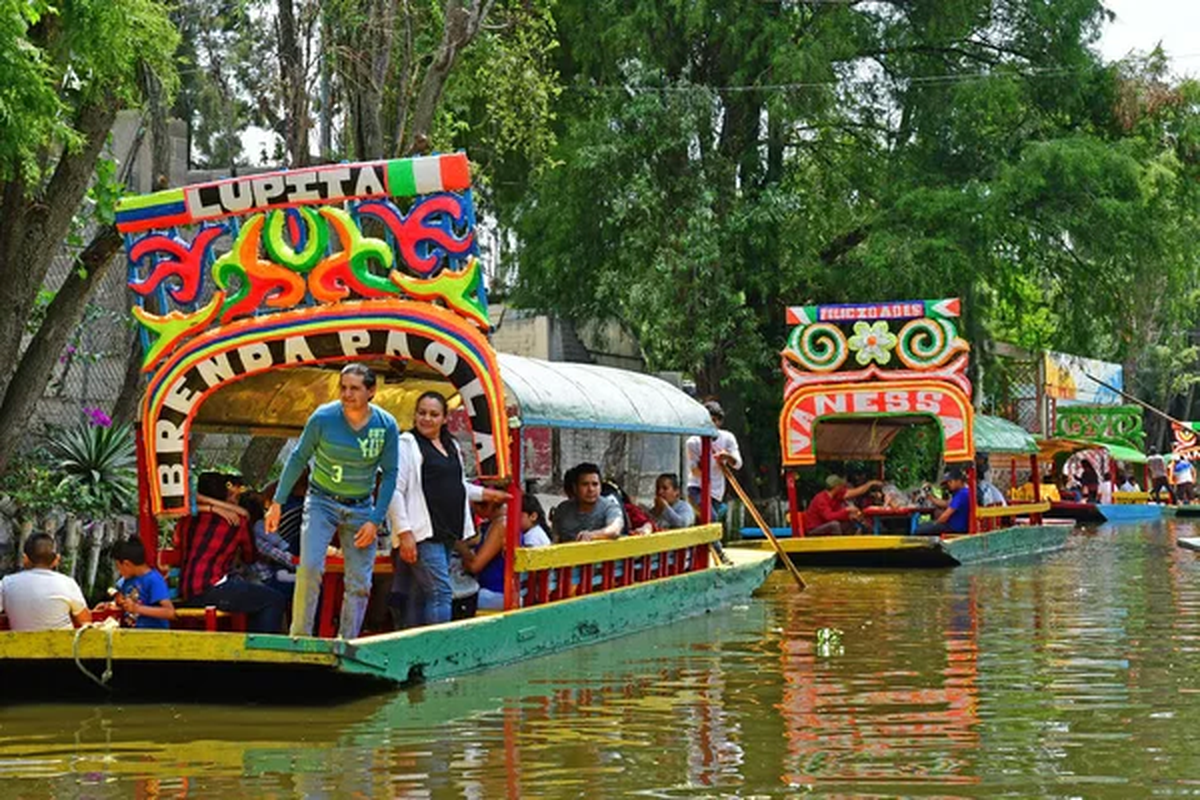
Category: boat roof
<point>1048,448</point>
<point>559,394</point>
<point>868,438</point>
<point>541,393</point>
<point>998,435</point>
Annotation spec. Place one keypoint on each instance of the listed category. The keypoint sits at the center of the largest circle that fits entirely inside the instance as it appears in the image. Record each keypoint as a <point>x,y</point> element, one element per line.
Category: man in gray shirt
<point>587,516</point>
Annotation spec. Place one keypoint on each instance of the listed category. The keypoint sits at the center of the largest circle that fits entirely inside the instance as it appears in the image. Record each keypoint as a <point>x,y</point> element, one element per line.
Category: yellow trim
<point>847,544</point>
<point>529,559</point>
<point>1131,497</point>
<point>1013,510</point>
<point>150,645</point>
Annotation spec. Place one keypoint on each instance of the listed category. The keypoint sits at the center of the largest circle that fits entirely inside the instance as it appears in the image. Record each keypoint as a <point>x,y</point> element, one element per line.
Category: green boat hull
<point>196,665</point>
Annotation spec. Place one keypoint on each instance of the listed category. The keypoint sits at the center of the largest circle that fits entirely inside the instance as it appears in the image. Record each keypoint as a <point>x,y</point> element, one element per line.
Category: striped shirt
<point>209,545</point>
<point>344,460</point>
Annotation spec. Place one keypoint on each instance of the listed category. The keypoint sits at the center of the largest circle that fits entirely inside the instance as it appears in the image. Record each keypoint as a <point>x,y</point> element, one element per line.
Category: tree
<point>720,161</point>
<point>69,68</point>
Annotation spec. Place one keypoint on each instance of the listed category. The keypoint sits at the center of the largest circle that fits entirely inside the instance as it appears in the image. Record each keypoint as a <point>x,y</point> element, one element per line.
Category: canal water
<point>1072,675</point>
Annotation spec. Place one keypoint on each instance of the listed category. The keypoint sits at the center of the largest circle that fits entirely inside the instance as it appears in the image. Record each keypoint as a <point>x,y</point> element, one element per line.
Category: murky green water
<point>1075,675</point>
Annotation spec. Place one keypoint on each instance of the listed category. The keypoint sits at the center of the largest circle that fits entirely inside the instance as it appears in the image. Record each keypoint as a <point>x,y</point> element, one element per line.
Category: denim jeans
<point>262,605</point>
<point>322,516</point>
<point>430,593</point>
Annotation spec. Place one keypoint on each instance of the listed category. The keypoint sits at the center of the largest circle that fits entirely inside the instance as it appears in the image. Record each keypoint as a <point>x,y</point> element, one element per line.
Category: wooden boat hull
<point>1118,513</point>
<point>190,665</point>
<point>1190,510</point>
<point>1080,512</point>
<point>918,551</point>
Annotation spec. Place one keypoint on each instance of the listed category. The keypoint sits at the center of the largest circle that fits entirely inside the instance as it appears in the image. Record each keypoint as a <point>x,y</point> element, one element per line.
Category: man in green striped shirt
<point>348,441</point>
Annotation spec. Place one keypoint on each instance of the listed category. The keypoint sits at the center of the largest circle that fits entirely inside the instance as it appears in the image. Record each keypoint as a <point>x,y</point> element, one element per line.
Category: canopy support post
<point>794,506</point>
<point>973,500</point>
<point>147,522</point>
<point>705,510</point>
<point>1036,478</point>
<point>512,527</point>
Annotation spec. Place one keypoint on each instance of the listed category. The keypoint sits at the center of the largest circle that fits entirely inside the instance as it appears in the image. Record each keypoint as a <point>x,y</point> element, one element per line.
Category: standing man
<point>349,442</point>
<point>1185,480</point>
<point>724,451</point>
<point>1156,465</point>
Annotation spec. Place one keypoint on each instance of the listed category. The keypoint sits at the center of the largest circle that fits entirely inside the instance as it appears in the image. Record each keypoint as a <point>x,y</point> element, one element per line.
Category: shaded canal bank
<point>1076,674</point>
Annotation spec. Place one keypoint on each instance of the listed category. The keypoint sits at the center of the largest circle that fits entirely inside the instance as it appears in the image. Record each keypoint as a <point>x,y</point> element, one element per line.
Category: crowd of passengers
<point>229,558</point>
<point>839,508</point>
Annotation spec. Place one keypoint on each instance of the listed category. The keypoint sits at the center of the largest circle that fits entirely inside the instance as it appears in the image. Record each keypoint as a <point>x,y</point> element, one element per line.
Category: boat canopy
<point>541,393</point>
<point>1048,448</point>
<point>998,435</point>
<point>868,439</point>
<point>559,394</point>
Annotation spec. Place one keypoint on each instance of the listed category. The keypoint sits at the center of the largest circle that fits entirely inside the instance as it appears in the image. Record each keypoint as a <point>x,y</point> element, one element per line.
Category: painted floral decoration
<point>872,342</point>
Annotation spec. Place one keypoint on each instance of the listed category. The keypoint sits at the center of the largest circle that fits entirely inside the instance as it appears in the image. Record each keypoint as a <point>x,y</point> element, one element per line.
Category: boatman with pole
<point>349,442</point>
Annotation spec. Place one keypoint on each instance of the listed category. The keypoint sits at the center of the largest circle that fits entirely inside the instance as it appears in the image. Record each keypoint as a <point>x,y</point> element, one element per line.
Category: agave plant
<point>99,463</point>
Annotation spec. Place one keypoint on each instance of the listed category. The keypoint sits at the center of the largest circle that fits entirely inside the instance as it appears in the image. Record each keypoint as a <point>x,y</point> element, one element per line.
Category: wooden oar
<point>741,493</point>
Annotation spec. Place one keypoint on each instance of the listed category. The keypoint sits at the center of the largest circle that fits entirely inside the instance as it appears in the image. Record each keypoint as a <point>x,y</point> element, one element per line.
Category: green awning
<point>1126,454</point>
<point>997,435</point>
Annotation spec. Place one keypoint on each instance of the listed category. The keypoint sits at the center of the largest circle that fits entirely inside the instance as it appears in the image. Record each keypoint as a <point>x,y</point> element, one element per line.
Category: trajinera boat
<point>375,262</point>
<point>1115,435</point>
<point>855,375</point>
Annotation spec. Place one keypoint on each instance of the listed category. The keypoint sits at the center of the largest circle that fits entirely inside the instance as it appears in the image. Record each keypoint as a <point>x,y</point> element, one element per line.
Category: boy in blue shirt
<point>142,592</point>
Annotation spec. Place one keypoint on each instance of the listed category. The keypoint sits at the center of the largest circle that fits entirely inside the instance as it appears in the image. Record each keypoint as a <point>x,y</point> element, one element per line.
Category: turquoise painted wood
<point>1117,513</point>
<point>447,650</point>
<point>1022,540</point>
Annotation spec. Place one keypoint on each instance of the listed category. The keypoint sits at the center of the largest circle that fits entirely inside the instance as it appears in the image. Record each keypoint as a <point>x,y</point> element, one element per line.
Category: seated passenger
<point>209,548</point>
<point>637,521</point>
<point>670,510</point>
<point>274,566</point>
<point>828,513</point>
<point>587,516</point>
<point>1126,484</point>
<point>219,492</point>
<point>142,592</point>
<point>39,598</point>
<point>988,494</point>
<point>956,512</point>
<point>486,559</point>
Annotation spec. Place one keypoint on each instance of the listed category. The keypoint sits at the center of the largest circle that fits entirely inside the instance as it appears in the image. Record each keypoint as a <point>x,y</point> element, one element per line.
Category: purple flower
<point>98,417</point>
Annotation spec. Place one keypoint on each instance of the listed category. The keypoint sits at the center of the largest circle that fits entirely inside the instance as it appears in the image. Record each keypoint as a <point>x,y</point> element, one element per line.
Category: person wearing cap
<point>955,516</point>
<point>724,451</point>
<point>829,514</point>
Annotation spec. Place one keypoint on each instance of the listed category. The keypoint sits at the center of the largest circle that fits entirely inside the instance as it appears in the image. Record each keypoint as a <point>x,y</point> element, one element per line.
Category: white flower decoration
<point>872,342</point>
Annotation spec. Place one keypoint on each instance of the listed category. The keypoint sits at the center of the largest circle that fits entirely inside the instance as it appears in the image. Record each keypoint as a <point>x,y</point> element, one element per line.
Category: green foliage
<point>914,456</point>
<point>719,161</point>
<point>55,58</point>
<point>34,486</point>
<point>97,463</point>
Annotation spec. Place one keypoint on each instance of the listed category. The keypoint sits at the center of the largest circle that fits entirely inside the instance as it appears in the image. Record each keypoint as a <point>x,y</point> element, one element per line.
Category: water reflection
<point>1072,675</point>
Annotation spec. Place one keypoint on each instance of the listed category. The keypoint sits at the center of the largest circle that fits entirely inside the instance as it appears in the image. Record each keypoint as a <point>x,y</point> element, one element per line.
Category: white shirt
<point>535,537</point>
<point>724,442</point>
<point>40,600</point>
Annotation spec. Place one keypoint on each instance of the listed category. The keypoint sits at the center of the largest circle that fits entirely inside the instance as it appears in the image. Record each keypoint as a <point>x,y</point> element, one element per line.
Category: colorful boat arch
<point>369,330</point>
<point>871,361</point>
<point>345,262</point>
<point>942,402</point>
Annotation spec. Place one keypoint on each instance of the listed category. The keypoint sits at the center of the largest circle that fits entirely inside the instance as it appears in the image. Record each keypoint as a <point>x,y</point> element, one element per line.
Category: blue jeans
<point>262,605</point>
<point>716,508</point>
<point>322,516</point>
<point>430,595</point>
